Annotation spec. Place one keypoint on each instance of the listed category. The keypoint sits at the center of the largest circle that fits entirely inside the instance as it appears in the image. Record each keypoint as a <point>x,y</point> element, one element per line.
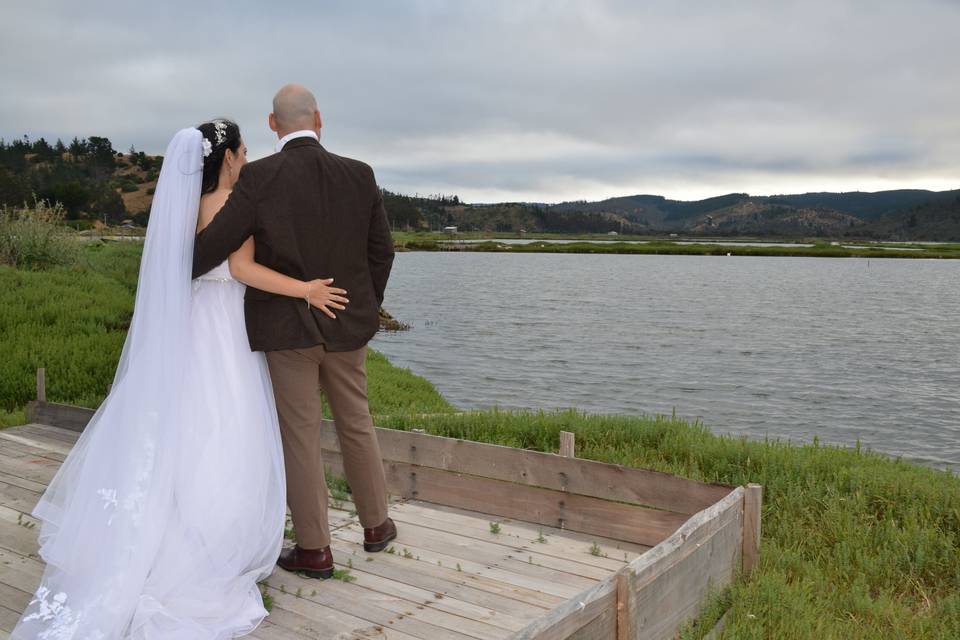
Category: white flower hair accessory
<point>207,148</point>
<point>220,128</point>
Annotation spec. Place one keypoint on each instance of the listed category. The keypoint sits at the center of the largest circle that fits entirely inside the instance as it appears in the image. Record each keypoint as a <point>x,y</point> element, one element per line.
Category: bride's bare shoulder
<point>210,205</point>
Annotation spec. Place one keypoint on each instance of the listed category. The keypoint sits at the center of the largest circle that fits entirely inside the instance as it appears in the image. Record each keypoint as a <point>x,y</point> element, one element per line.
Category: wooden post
<point>41,385</point>
<point>567,444</point>
<point>626,625</point>
<point>752,501</point>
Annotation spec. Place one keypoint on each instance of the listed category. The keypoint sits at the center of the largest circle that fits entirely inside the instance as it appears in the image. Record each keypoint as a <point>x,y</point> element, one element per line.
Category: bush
<point>151,191</point>
<point>35,237</point>
<point>128,187</point>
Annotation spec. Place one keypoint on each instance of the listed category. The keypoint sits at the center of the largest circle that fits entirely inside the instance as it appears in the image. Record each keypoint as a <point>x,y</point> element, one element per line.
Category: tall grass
<point>34,237</point>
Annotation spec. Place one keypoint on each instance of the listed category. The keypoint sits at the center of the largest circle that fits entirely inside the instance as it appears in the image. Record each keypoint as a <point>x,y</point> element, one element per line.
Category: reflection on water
<point>845,349</point>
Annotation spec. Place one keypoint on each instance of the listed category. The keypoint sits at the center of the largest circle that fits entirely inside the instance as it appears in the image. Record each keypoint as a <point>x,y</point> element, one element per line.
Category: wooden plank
<point>545,470</point>
<point>532,504</point>
<point>522,538</point>
<point>270,631</point>
<point>10,446</point>
<point>752,501</point>
<point>547,568</point>
<point>572,615</point>
<point>534,586</point>
<point>446,580</point>
<point>14,536</point>
<point>41,385</point>
<point>52,434</point>
<point>402,610</point>
<point>663,588</point>
<point>51,447</point>
<point>20,572</point>
<point>13,598</point>
<point>567,444</point>
<point>326,620</point>
<point>30,485</point>
<point>34,468</point>
<point>64,416</point>
<point>603,627</point>
<point>8,620</point>
<point>18,498</point>
<point>425,598</point>
<point>564,537</point>
<point>322,623</point>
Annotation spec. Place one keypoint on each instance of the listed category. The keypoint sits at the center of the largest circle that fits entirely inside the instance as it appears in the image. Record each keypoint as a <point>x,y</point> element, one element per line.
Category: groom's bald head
<point>294,108</point>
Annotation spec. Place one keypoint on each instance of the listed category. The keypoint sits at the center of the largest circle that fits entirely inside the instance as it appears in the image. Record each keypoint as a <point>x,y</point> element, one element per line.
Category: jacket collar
<point>296,136</point>
<point>301,142</point>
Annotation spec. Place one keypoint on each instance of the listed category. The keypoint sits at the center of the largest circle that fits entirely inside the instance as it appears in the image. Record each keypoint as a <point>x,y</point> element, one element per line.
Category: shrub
<point>151,191</point>
<point>35,237</point>
<point>128,187</point>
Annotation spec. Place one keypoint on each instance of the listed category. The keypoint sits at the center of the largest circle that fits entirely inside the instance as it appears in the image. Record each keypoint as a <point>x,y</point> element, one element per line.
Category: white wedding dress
<point>171,506</point>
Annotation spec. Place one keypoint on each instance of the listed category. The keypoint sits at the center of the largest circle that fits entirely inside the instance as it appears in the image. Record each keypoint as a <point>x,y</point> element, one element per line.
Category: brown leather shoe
<point>377,538</point>
<point>314,563</point>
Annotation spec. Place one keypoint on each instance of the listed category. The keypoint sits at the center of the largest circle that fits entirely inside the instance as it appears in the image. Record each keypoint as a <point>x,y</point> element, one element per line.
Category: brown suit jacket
<point>312,214</point>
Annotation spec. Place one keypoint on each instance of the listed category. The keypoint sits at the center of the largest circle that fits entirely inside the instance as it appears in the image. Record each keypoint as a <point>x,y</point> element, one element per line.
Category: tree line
<point>80,175</point>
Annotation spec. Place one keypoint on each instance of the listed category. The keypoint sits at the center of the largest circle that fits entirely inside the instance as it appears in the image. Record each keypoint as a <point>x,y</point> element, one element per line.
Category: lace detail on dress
<point>63,621</point>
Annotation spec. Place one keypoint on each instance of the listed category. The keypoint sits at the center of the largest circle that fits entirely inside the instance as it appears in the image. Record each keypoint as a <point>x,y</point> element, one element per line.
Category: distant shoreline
<point>679,246</point>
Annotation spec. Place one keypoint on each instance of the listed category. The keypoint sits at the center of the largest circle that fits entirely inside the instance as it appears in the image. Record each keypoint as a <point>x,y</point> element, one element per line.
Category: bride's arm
<point>318,292</point>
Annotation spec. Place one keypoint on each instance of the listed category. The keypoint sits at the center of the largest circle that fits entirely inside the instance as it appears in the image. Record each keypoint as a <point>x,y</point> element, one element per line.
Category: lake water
<point>790,348</point>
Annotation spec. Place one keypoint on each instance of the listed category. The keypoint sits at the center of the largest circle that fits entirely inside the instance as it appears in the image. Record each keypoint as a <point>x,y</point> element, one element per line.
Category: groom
<point>313,214</point>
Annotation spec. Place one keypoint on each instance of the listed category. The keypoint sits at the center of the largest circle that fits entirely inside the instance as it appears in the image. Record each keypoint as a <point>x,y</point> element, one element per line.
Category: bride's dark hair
<point>218,136</point>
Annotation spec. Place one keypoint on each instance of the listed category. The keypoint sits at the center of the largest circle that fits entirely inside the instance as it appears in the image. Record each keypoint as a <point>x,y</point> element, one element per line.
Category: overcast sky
<point>519,100</point>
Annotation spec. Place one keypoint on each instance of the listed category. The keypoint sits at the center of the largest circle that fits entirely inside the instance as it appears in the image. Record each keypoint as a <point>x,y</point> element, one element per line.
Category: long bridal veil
<point>104,514</point>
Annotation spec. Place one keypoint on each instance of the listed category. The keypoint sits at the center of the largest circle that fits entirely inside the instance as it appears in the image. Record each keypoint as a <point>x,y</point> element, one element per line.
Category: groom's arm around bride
<point>313,215</point>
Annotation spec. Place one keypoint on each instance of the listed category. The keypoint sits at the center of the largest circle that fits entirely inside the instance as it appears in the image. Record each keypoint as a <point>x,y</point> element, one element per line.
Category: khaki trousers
<point>298,376</point>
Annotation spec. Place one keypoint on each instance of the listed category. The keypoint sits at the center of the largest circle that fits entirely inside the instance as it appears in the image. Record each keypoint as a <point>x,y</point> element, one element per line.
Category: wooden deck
<point>449,576</point>
<point>494,542</point>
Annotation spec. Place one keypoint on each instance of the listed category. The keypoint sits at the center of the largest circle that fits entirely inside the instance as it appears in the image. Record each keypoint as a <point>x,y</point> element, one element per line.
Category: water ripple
<point>789,348</point>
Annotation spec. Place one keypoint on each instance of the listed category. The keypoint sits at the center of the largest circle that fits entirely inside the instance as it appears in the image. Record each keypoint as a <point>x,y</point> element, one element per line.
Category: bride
<point>171,506</point>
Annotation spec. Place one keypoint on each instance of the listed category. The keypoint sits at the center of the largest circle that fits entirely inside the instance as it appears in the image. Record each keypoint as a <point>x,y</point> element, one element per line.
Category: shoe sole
<point>323,574</point>
<point>374,547</point>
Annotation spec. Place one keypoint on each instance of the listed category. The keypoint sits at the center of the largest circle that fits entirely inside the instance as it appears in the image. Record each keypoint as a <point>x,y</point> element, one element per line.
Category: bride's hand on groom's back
<point>325,297</point>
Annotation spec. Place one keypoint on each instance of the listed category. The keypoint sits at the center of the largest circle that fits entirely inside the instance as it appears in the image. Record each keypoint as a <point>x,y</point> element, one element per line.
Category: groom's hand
<point>324,297</point>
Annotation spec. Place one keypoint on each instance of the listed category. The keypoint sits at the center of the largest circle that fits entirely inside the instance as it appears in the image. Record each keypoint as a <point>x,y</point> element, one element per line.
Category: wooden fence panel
<point>666,586</point>
<point>529,504</point>
<point>59,415</point>
<point>546,470</point>
<point>589,612</point>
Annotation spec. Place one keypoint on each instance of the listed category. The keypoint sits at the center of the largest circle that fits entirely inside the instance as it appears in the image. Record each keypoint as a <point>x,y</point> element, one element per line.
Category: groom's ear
<point>317,121</point>
<point>272,121</point>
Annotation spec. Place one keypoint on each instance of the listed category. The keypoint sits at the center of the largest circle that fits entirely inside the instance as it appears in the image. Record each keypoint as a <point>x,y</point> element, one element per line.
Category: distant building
<point>450,230</point>
<point>612,233</point>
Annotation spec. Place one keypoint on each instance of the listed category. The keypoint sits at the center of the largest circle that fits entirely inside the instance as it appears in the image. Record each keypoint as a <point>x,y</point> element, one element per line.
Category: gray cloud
<point>528,100</point>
